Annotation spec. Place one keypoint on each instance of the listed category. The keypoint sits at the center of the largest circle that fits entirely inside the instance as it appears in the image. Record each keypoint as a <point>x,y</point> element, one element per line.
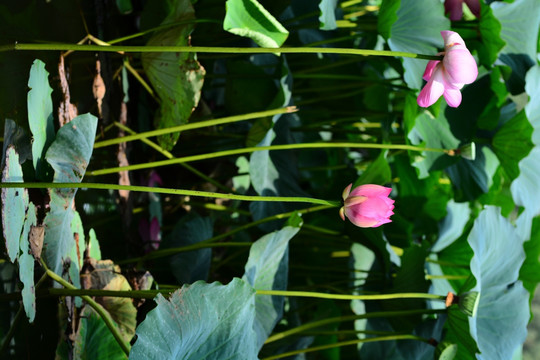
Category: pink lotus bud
<point>448,76</point>
<point>367,205</point>
<point>455,8</point>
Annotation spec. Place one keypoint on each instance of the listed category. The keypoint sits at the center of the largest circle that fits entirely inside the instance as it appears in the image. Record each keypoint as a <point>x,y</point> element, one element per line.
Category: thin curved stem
<point>168,155</point>
<point>346,343</point>
<point>351,297</point>
<point>196,125</point>
<point>218,50</point>
<point>320,145</point>
<point>98,308</point>
<point>158,190</point>
<point>316,324</point>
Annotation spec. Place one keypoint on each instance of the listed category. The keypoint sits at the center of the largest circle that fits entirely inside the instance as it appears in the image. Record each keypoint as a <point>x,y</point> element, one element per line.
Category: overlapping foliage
<point>211,277</point>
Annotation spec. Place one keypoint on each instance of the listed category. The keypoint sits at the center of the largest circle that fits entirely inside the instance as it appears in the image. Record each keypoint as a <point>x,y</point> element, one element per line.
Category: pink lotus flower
<point>448,76</point>
<point>455,8</point>
<point>367,205</point>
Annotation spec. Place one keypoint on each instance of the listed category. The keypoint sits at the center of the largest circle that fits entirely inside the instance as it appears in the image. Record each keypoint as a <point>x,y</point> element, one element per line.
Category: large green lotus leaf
<point>250,19</point>
<point>69,156</point>
<point>327,18</point>
<point>453,224</point>
<point>532,109</point>
<point>94,340</point>
<point>498,249</point>
<point>188,267</point>
<point>14,204</point>
<point>526,188</point>
<point>500,324</point>
<point>267,268</point>
<point>513,142</point>
<point>200,321</point>
<point>418,30</point>
<point>176,77</point>
<point>520,23</point>
<point>40,115</point>
<point>432,133</point>
<point>26,265</point>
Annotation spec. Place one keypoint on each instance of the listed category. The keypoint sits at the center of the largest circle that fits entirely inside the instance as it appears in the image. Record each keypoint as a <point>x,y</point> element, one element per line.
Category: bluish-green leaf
<point>520,23</point>
<point>267,268</point>
<point>69,156</point>
<point>14,204</point>
<point>40,116</point>
<point>26,265</point>
<point>94,340</point>
<point>200,321</point>
<point>526,188</point>
<point>500,324</point>
<point>327,19</point>
<point>452,226</point>
<point>417,30</point>
<point>250,19</point>
<point>432,133</point>
<point>176,77</point>
<point>190,266</point>
<point>241,182</point>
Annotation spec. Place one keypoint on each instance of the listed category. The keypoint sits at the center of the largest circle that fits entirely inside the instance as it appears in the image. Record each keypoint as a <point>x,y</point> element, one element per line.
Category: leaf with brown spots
<point>176,77</point>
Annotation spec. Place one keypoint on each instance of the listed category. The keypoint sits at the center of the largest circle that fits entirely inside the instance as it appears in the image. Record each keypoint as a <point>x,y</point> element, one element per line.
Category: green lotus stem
<point>98,308</point>
<point>168,252</point>
<point>339,319</point>
<point>158,190</point>
<point>346,343</point>
<point>351,297</point>
<point>318,146</point>
<point>215,50</point>
<point>196,125</point>
<point>168,155</point>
